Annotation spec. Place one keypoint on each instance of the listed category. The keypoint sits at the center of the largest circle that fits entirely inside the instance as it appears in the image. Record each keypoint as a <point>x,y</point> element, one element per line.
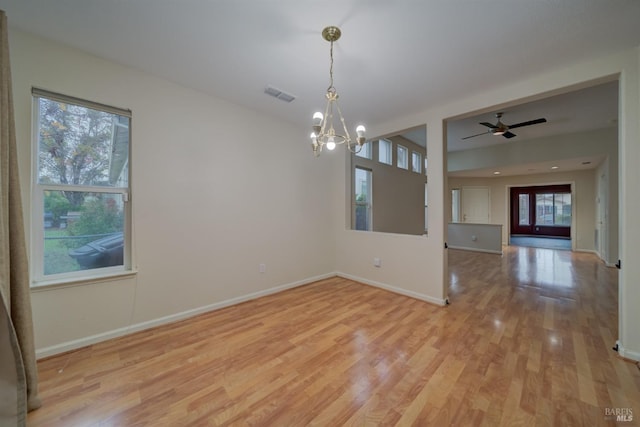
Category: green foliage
<point>74,146</point>
<point>98,216</point>
<point>57,204</point>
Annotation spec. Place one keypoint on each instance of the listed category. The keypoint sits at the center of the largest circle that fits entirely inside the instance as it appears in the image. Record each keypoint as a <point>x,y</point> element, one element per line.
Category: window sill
<point>45,285</point>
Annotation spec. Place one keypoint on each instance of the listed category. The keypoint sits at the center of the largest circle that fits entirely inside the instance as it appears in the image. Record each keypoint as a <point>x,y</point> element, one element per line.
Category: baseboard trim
<point>394,289</point>
<point>115,333</point>
<point>628,354</point>
<point>588,251</point>
<point>464,248</point>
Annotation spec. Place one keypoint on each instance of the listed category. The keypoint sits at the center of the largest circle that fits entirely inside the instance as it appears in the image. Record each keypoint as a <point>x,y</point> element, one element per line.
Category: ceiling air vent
<point>277,93</point>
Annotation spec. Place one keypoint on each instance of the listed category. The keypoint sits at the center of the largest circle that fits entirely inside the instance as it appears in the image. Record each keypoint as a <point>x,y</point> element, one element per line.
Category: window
<point>416,162</point>
<point>384,152</point>
<point>523,210</point>
<point>365,151</point>
<point>362,198</point>
<point>562,209</point>
<point>80,200</point>
<point>403,160</point>
<point>553,209</point>
<point>455,205</point>
<point>425,165</point>
<point>541,210</point>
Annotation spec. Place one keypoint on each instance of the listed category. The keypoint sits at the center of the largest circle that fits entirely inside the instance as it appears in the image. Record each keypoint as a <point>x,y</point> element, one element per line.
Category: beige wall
<point>583,190</point>
<point>212,199</point>
<point>398,194</point>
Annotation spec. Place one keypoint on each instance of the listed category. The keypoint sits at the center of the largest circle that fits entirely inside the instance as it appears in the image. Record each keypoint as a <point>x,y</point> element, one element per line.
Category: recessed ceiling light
<point>497,173</point>
<point>554,167</point>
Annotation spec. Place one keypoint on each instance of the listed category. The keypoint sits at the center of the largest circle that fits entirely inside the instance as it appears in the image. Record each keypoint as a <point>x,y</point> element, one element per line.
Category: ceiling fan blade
<point>478,134</point>
<point>529,123</point>
<point>508,134</point>
<point>489,125</point>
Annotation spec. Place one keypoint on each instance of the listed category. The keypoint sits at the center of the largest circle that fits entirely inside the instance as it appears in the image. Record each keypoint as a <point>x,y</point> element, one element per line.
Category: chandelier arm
<point>358,147</point>
<point>344,125</point>
<point>328,117</point>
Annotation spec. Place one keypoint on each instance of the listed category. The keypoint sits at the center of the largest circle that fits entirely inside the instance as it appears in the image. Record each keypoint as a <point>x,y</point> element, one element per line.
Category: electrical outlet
<point>377,262</point>
<point>262,268</point>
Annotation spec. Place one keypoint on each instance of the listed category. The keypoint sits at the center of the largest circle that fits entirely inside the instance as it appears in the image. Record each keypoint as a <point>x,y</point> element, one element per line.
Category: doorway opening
<point>541,216</point>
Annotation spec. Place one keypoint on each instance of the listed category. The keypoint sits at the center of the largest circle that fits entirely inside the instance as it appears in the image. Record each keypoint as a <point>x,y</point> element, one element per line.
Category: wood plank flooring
<point>526,341</point>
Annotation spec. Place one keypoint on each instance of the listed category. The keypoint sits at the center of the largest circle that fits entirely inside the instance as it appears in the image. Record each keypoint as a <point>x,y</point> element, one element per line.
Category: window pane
<point>365,151</point>
<point>384,152</point>
<point>362,195</point>
<point>82,231</point>
<point>455,205</point>
<point>562,206</point>
<point>544,209</point>
<point>403,154</point>
<point>416,162</point>
<point>81,146</point>
<point>523,209</point>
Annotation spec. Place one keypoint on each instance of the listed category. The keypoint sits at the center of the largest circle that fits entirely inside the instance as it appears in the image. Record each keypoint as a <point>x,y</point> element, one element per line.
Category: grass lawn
<point>56,253</point>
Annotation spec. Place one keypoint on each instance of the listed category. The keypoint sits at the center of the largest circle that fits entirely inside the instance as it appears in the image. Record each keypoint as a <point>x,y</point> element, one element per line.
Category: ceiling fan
<point>502,129</point>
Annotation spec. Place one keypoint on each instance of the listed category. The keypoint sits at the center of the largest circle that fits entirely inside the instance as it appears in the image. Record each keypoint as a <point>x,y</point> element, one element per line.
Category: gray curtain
<point>18,370</point>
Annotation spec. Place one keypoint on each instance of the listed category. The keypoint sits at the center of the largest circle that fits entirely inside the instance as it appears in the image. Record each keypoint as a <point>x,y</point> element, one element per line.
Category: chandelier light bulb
<point>317,118</point>
<point>331,143</point>
<point>360,130</point>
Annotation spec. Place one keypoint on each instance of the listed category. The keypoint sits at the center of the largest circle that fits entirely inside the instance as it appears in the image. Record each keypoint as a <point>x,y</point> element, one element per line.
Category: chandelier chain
<point>331,88</point>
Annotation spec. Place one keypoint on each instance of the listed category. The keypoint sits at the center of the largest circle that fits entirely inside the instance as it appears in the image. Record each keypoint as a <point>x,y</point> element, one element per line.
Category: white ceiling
<point>395,58</point>
<point>590,108</point>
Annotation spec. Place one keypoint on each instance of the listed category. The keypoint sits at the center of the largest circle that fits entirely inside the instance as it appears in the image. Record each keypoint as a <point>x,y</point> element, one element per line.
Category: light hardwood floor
<point>527,340</point>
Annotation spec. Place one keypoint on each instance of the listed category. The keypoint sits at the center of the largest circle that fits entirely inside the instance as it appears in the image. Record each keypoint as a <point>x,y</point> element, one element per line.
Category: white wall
<point>413,265</point>
<point>606,187</point>
<point>475,237</point>
<point>216,189</point>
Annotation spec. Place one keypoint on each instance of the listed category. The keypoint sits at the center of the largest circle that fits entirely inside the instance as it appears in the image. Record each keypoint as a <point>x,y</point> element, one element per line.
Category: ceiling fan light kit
<point>502,129</point>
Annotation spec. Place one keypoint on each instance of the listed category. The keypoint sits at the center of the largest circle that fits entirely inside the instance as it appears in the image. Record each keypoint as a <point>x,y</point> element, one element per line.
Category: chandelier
<point>324,132</point>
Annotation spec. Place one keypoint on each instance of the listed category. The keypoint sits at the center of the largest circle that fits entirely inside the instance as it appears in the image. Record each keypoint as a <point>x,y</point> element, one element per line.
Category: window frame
<point>366,152</point>
<point>368,204</point>
<point>389,150</point>
<point>38,276</point>
<point>416,155</point>
<point>402,155</point>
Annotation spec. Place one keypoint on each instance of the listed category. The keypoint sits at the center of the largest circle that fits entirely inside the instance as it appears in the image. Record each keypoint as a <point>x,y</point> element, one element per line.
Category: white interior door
<point>475,205</point>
